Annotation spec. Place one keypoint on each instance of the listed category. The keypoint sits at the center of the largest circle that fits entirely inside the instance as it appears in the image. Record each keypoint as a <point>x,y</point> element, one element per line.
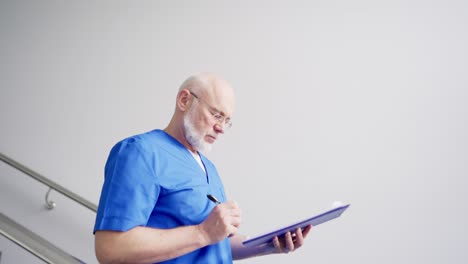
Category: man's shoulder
<point>143,140</point>
<point>155,135</point>
<point>152,140</point>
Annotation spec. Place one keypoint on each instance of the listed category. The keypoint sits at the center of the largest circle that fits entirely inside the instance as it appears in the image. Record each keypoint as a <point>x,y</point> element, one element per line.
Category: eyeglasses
<point>216,114</point>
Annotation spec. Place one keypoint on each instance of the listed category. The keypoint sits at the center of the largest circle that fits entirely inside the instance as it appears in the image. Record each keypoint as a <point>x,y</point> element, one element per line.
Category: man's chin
<point>205,147</point>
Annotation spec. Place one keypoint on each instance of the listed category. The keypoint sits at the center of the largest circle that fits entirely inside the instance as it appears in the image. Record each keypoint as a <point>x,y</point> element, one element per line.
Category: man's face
<point>201,125</point>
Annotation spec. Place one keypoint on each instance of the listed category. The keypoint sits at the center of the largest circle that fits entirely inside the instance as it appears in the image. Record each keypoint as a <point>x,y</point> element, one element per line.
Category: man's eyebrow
<point>218,111</point>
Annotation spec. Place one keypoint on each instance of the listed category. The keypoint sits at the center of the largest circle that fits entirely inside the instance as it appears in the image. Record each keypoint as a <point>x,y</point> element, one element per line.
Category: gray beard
<point>192,136</point>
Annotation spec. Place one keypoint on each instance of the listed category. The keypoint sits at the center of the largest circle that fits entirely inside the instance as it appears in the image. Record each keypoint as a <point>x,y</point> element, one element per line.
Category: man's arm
<point>289,243</point>
<point>149,245</point>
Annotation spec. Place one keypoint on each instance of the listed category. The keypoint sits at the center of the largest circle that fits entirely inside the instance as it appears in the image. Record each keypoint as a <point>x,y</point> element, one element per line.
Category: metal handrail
<point>33,243</point>
<point>75,197</point>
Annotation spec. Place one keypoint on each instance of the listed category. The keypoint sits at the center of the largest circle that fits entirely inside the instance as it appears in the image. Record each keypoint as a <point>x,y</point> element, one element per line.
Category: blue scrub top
<point>152,180</point>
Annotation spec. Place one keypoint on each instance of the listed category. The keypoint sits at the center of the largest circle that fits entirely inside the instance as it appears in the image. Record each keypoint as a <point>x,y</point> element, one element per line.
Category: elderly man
<point>154,206</point>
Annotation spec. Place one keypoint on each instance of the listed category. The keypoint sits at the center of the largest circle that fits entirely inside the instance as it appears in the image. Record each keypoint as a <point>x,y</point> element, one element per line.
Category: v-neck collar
<point>187,152</point>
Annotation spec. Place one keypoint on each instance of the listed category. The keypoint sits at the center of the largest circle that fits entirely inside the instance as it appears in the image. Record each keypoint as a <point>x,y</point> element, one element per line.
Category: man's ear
<point>183,100</point>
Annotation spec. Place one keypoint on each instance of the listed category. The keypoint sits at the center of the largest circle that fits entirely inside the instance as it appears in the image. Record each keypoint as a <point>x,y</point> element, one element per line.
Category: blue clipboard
<point>314,221</point>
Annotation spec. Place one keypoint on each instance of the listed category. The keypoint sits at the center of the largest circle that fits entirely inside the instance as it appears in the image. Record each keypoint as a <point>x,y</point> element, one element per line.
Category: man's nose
<point>219,127</point>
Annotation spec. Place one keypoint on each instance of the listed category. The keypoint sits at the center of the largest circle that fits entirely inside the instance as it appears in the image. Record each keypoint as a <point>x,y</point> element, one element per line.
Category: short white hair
<point>195,82</point>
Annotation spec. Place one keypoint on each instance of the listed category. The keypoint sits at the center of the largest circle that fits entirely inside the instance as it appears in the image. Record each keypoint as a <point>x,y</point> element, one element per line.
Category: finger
<point>306,231</point>
<point>231,205</point>
<point>235,221</point>
<point>289,244</point>
<point>299,238</point>
<point>232,231</point>
<point>276,244</point>
<point>228,216</point>
<point>232,209</point>
<point>235,212</point>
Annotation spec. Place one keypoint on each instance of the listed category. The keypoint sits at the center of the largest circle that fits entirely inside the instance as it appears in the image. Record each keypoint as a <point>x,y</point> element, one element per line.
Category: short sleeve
<point>130,188</point>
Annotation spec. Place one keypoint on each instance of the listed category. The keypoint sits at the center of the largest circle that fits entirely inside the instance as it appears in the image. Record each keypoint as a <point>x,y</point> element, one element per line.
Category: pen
<point>213,199</point>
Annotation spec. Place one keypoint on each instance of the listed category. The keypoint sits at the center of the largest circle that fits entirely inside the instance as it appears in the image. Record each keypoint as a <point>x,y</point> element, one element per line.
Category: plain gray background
<point>358,101</point>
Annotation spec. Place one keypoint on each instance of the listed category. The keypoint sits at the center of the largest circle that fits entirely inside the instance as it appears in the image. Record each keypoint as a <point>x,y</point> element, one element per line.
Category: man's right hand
<point>223,221</point>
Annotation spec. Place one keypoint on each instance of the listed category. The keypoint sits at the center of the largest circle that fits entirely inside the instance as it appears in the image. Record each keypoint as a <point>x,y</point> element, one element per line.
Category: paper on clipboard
<point>314,221</point>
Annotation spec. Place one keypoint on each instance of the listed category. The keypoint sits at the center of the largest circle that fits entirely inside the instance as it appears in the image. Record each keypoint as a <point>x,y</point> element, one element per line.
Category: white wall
<point>359,101</point>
